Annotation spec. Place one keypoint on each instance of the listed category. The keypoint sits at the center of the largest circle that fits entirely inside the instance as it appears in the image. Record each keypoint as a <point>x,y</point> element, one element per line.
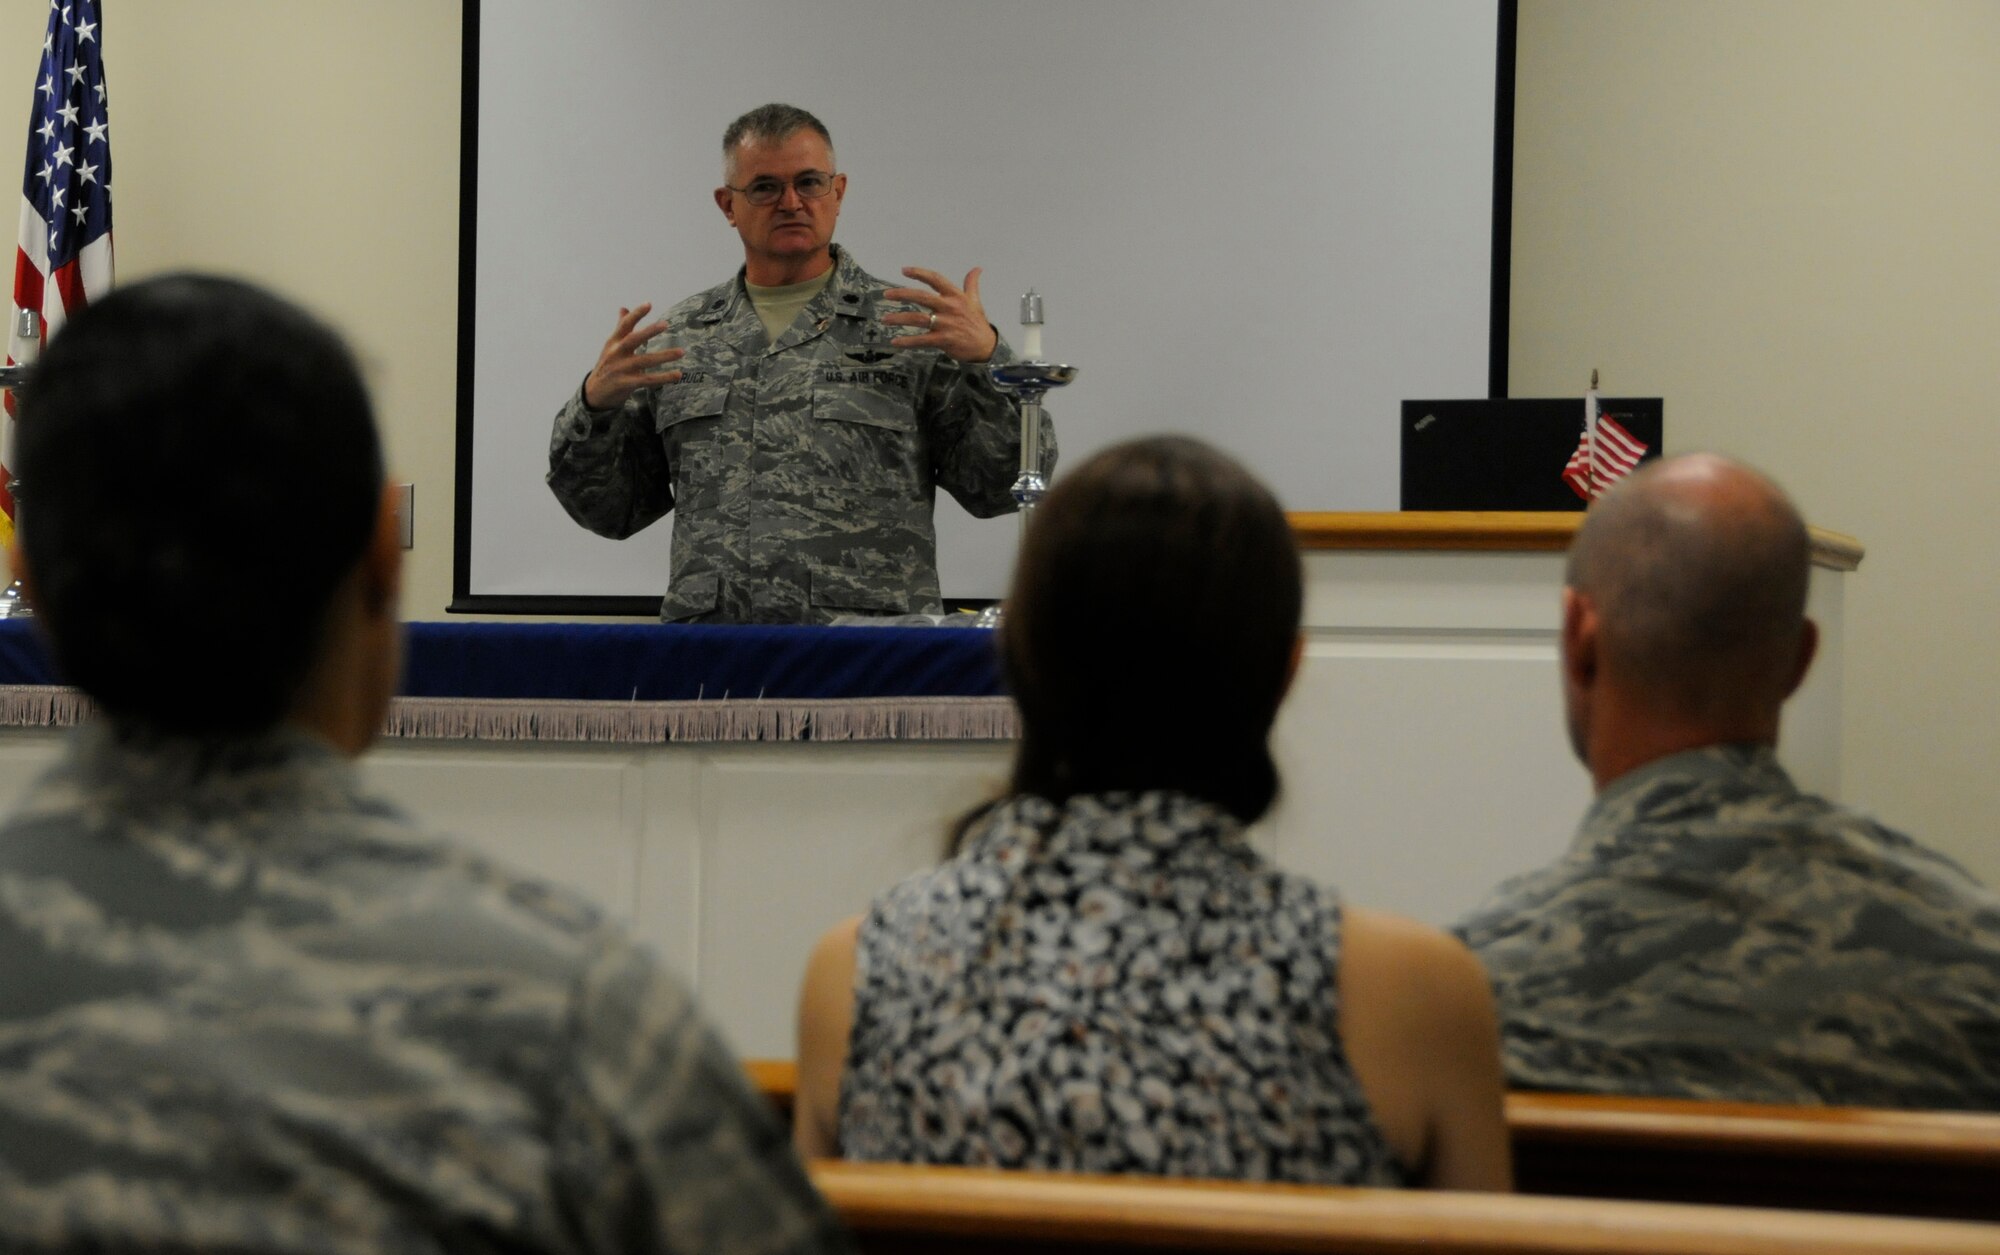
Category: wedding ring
<point>933,325</point>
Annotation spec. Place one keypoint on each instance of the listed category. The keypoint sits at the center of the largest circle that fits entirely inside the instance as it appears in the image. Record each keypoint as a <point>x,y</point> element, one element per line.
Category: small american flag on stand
<point>64,258</point>
<point>1605,453</point>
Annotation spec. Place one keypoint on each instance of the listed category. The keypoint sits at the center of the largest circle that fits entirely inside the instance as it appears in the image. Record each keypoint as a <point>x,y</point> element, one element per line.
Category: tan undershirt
<point>778,308</point>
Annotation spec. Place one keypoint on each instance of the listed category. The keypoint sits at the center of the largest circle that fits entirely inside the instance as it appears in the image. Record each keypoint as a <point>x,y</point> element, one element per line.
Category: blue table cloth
<point>587,681</point>
<point>670,662</point>
<point>651,662</point>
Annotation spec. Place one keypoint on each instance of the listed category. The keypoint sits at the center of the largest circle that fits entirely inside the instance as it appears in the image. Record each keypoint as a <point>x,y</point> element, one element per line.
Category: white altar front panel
<point>1423,751</point>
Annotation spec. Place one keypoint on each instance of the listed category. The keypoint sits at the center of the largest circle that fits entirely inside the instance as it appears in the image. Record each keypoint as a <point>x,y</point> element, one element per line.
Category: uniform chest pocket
<point>689,422</point>
<point>867,448</point>
<point>841,406</point>
<point>875,396</point>
<point>680,404</point>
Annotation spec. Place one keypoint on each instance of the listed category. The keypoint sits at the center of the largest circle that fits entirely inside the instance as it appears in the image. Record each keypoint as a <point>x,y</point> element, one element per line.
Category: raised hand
<point>956,322</point>
<point>622,367</point>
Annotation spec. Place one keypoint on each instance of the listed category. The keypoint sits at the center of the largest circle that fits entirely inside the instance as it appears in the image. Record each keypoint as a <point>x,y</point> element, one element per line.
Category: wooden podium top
<point>1493,530</point>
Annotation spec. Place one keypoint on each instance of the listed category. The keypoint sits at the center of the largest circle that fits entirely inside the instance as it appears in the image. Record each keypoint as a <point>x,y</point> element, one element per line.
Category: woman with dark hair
<point>1106,977</point>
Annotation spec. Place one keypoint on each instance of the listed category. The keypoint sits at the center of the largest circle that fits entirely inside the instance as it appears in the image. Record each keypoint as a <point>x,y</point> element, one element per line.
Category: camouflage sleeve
<point>609,468</point>
<point>975,434</point>
<point>669,1149</point>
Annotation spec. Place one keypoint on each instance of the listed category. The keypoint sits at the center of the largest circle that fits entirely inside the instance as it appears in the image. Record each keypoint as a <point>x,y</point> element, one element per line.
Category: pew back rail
<point>895,1208</point>
<point>1906,1163</point>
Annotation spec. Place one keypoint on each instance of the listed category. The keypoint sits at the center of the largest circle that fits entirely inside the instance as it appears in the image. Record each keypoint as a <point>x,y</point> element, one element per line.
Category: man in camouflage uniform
<point>1714,932</point>
<point>799,442</point>
<point>245,1005</point>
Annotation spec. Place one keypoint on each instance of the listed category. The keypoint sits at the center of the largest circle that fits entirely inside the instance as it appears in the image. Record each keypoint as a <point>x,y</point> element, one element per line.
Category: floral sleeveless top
<point>1116,984</point>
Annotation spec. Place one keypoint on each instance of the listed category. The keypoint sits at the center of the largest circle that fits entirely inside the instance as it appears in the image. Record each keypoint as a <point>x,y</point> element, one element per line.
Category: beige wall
<point>316,152</point>
<point>1784,217</point>
<point>1781,215</point>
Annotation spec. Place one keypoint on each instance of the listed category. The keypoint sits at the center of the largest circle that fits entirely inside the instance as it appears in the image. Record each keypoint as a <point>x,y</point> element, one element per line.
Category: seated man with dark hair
<point>245,1006</point>
<point>1714,932</point>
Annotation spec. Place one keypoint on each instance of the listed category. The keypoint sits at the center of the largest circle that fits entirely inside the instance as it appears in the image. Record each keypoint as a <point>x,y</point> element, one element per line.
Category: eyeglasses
<point>810,185</point>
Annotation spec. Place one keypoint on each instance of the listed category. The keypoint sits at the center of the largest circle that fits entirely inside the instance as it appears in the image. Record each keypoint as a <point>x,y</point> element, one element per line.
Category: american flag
<point>64,259</point>
<point>1617,452</point>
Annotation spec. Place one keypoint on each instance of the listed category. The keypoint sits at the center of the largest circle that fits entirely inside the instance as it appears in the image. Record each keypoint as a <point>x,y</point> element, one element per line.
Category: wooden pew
<point>1904,1163</point>
<point>1941,1165</point>
<point>893,1208</point>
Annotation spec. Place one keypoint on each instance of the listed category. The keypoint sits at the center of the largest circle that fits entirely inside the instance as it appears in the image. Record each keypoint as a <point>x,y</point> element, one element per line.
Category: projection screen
<point>1266,223</point>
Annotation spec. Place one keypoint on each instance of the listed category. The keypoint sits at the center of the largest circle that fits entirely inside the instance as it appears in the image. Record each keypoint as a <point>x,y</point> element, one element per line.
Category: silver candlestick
<point>1030,380</point>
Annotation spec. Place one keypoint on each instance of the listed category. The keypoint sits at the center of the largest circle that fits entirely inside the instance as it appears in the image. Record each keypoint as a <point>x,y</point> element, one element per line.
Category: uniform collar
<point>852,292</point>
<point>1743,767</point>
<point>849,293</point>
<point>146,768</point>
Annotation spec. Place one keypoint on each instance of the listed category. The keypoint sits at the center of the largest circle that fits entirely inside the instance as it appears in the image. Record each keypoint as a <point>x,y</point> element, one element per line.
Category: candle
<point>1031,326</point>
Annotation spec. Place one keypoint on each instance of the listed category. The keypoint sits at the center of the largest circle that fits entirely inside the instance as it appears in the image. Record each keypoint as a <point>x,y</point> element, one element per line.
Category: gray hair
<point>771,122</point>
<point>1698,568</point>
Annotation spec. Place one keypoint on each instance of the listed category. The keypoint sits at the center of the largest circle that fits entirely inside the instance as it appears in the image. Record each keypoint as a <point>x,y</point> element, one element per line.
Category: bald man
<point>1714,932</point>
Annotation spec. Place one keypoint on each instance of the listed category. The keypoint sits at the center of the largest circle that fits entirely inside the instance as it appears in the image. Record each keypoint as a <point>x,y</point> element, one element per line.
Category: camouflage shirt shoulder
<point>1715,932</point>
<point>249,1006</point>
